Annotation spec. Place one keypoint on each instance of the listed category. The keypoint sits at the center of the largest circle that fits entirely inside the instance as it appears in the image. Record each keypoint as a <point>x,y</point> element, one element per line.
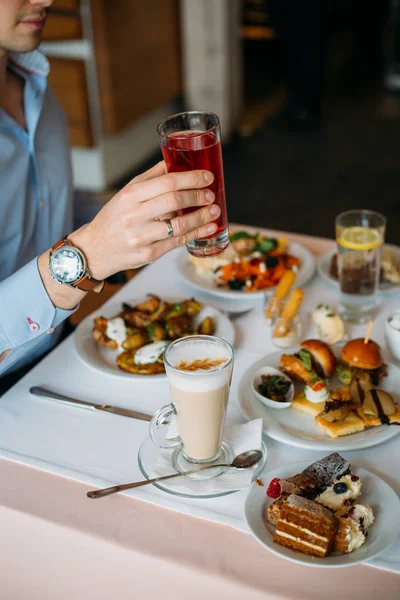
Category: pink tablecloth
<point>56,544</point>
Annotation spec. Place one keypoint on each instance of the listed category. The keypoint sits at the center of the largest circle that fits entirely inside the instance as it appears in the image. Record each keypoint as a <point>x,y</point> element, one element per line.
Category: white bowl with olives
<point>273,388</point>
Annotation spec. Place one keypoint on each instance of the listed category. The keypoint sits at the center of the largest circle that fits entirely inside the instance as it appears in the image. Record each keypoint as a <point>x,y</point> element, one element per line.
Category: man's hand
<point>129,232</point>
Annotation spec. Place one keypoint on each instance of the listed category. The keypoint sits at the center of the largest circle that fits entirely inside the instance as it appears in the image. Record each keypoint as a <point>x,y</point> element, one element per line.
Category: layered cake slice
<point>305,526</point>
<point>353,528</point>
<point>272,512</point>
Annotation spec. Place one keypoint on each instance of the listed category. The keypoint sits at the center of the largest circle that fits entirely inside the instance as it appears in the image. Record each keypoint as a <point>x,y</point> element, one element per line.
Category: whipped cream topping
<point>116,331</point>
<point>150,352</point>
<point>355,537</point>
<point>334,501</point>
<point>317,391</point>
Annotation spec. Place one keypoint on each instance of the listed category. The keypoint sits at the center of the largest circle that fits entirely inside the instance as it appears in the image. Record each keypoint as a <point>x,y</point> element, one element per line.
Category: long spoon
<point>242,461</point>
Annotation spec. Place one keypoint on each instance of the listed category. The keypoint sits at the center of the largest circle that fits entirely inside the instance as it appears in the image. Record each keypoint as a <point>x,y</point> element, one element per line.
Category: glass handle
<point>161,419</point>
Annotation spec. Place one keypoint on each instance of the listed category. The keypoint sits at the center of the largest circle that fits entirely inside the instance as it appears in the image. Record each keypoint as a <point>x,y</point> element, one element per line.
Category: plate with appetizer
<point>129,339</point>
<point>342,399</point>
<point>252,265</point>
<point>327,514</point>
<point>389,279</point>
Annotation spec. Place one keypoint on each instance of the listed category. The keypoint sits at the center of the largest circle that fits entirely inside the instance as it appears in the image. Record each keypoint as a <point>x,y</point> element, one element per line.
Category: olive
<point>236,284</point>
<point>340,488</point>
<point>271,261</point>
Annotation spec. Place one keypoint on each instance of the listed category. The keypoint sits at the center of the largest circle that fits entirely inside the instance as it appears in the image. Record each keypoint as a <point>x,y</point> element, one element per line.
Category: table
<point>65,546</point>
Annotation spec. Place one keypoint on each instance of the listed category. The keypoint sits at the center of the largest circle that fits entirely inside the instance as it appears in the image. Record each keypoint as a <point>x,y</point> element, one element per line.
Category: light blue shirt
<point>35,211</point>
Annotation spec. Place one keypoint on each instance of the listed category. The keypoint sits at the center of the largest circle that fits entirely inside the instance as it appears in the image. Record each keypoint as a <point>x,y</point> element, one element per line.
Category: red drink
<point>191,149</point>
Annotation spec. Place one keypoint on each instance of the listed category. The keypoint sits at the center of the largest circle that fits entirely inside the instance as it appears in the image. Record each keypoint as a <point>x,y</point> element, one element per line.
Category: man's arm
<point>27,314</point>
<point>127,233</point>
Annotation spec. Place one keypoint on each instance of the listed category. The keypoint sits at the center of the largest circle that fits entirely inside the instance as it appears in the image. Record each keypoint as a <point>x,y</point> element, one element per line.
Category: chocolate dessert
<point>327,470</point>
<point>300,484</point>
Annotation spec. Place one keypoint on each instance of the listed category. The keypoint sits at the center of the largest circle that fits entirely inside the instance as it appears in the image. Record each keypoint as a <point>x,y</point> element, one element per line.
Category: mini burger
<point>314,359</point>
<point>360,358</point>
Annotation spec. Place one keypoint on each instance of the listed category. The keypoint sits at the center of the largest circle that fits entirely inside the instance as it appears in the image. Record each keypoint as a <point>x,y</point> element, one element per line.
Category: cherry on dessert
<point>354,478</point>
<point>340,488</point>
<point>274,488</point>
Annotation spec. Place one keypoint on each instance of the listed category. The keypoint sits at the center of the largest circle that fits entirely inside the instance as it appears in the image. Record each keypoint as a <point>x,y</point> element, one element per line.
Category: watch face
<point>67,265</point>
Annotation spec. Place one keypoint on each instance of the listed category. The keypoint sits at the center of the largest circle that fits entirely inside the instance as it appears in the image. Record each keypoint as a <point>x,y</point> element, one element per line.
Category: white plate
<point>375,492</point>
<point>324,263</point>
<point>104,360</point>
<point>298,429</point>
<point>236,301</point>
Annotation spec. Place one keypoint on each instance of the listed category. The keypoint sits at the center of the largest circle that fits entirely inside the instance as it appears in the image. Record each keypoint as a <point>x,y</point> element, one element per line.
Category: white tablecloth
<point>101,448</point>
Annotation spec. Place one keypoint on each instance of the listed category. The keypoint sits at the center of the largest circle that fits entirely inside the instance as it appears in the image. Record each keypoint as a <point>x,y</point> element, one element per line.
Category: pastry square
<point>372,421</point>
<point>351,424</point>
<point>301,404</point>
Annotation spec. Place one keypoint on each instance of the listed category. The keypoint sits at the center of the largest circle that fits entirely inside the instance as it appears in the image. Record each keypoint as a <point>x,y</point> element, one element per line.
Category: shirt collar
<point>31,62</point>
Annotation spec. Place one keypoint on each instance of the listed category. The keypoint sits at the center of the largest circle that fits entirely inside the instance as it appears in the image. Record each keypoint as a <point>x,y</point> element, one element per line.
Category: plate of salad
<point>252,265</point>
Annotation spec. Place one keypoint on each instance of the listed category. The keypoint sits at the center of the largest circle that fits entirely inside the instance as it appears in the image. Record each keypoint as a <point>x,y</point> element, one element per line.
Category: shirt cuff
<point>26,311</point>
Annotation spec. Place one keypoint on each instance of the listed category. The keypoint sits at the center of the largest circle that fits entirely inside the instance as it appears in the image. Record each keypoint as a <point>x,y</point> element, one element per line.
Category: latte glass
<point>199,371</point>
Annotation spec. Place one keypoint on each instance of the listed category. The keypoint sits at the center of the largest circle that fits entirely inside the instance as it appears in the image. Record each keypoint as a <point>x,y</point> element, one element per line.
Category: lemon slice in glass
<point>360,238</point>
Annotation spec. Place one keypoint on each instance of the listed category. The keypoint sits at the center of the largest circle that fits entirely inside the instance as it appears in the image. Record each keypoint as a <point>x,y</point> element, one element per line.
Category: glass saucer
<point>147,459</point>
<point>180,464</point>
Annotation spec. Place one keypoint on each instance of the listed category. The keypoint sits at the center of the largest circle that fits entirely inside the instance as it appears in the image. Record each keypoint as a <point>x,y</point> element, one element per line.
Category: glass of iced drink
<point>199,370</point>
<point>360,235</point>
<point>190,141</point>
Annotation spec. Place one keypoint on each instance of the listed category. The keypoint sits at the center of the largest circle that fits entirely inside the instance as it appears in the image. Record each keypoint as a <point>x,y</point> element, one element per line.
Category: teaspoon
<point>242,461</point>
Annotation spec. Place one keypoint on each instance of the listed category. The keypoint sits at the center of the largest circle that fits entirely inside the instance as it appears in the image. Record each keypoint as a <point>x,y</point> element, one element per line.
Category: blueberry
<point>340,488</point>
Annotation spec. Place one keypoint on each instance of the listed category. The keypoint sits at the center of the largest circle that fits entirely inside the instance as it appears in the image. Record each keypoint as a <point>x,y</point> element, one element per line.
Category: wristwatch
<point>68,265</point>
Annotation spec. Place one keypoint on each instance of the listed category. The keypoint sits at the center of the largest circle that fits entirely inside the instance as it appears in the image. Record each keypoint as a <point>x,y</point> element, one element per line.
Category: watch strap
<point>87,283</point>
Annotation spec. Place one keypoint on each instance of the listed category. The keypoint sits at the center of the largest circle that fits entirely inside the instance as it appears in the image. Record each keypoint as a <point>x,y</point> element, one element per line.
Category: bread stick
<point>293,304</point>
<point>281,292</point>
<point>288,313</point>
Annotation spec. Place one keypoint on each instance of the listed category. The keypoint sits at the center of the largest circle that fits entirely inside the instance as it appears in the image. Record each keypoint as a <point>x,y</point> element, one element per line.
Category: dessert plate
<point>236,301</point>
<point>324,263</point>
<point>297,429</point>
<point>375,492</point>
<point>103,359</point>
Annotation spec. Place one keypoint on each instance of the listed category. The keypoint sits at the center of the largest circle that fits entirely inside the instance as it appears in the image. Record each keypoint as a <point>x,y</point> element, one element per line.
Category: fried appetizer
<point>126,362</point>
<point>297,366</point>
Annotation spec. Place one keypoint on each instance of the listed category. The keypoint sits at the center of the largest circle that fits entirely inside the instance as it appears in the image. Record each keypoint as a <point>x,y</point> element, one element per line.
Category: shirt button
<point>50,330</point>
<point>42,204</point>
<point>33,327</point>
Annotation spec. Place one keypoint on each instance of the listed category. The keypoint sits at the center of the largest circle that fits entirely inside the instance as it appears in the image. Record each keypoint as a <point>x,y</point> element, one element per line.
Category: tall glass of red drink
<point>189,141</point>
